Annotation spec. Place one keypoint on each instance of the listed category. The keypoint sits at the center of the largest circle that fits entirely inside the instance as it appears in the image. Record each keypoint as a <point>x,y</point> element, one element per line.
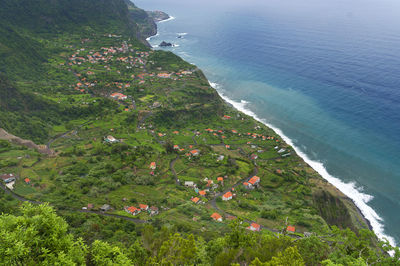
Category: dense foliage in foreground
<point>39,236</point>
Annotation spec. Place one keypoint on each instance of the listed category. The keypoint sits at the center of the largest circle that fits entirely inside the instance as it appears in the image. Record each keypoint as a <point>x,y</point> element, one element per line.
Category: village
<point>135,161</point>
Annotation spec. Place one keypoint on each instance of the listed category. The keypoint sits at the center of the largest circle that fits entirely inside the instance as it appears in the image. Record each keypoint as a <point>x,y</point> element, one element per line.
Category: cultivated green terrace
<point>133,145</point>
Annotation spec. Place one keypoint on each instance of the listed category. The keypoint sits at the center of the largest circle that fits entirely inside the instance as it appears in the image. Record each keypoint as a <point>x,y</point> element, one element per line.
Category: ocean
<point>324,74</point>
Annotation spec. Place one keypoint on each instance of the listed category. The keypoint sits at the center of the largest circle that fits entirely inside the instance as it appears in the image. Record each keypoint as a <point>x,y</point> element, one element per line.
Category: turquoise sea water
<point>325,74</point>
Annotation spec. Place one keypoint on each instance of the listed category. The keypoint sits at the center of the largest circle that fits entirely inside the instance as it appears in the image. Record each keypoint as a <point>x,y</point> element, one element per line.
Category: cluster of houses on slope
<point>118,96</point>
<point>107,55</point>
<point>153,210</point>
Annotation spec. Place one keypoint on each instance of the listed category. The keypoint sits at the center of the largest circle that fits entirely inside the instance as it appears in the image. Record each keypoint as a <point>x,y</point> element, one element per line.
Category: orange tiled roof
<point>216,216</point>
<point>254,179</point>
<point>227,195</point>
<point>195,199</point>
<point>255,226</point>
<point>291,229</point>
<point>143,206</point>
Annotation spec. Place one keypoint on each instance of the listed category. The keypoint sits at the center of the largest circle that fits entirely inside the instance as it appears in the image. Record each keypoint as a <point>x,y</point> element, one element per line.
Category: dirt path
<point>21,198</point>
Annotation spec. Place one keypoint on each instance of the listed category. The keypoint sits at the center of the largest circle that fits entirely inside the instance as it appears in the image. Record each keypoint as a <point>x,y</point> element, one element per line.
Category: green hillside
<point>145,164</point>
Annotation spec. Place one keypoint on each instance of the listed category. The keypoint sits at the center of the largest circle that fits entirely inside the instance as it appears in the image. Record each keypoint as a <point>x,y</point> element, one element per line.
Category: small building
<point>227,196</point>
<point>202,193</point>
<point>216,217</point>
<point>291,229</point>
<point>105,207</point>
<point>254,156</point>
<point>254,227</point>
<point>195,152</point>
<point>248,185</point>
<point>132,210</point>
<point>220,179</point>
<point>195,200</point>
<point>153,210</point>
<point>143,207</point>
<point>254,181</point>
<point>90,206</point>
<point>153,166</point>
<point>189,184</point>
<point>110,139</point>
<point>27,180</point>
<point>176,147</point>
<point>118,96</point>
<point>164,75</point>
<point>8,178</point>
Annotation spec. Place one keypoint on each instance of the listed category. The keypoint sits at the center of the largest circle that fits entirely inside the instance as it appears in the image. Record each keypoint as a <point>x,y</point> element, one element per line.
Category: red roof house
<point>227,196</point>
<point>254,227</point>
<point>291,229</point>
<point>216,217</point>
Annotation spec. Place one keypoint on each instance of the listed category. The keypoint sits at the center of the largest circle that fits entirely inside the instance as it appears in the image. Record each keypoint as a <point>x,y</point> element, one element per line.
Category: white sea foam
<point>168,19</point>
<point>182,33</point>
<point>349,189</point>
<point>149,38</point>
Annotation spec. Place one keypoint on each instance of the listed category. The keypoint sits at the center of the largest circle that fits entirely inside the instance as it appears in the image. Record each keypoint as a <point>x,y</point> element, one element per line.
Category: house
<point>132,210</point>
<point>202,193</point>
<point>164,75</point>
<point>153,210</point>
<point>27,180</point>
<point>227,196</point>
<point>144,207</point>
<point>247,185</point>
<point>8,178</point>
<point>110,139</point>
<point>226,117</point>
<point>216,217</point>
<point>105,207</point>
<point>118,96</point>
<point>90,206</point>
<point>220,158</point>
<point>209,183</point>
<point>254,181</point>
<point>254,227</point>
<point>153,166</point>
<point>254,156</point>
<point>220,179</point>
<point>176,147</point>
<point>195,152</point>
<point>189,184</point>
<point>195,200</point>
<point>291,229</point>
<point>175,132</point>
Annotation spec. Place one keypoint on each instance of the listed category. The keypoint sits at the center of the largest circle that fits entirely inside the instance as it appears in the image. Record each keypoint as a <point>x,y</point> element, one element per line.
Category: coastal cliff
<point>145,20</point>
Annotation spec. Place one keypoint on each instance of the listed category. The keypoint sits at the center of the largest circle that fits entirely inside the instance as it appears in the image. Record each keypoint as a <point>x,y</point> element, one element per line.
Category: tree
<point>103,253</point>
<point>38,236</point>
